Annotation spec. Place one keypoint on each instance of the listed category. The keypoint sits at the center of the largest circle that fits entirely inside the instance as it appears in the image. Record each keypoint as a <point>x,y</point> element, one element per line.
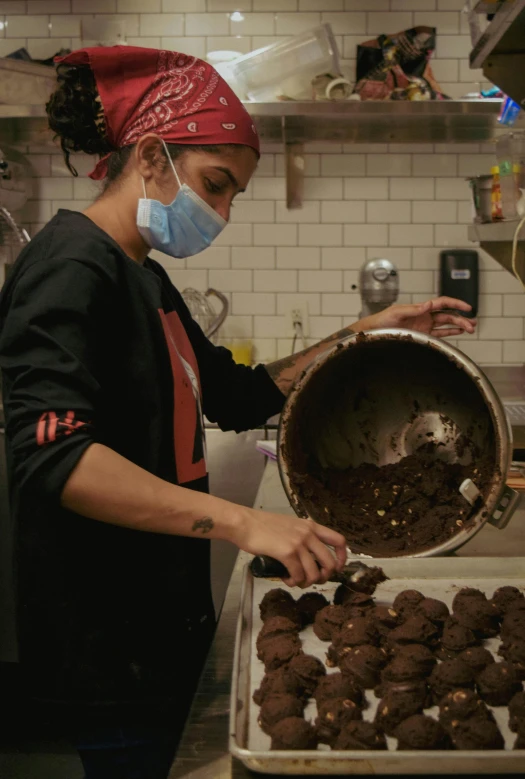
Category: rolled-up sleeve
<point>52,319</point>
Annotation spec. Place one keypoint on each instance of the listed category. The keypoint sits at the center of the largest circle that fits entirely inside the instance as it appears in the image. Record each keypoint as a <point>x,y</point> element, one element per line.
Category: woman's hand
<point>299,544</point>
<point>429,317</point>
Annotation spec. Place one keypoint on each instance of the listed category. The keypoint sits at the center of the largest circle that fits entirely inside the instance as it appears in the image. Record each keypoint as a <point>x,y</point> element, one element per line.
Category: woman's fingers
<point>312,572</point>
<point>436,304</point>
<point>335,539</point>
<point>458,321</point>
<point>446,332</point>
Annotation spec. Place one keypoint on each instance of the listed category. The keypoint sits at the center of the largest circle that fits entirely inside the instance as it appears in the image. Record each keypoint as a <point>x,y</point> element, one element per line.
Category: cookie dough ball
<point>513,625</point>
<point>274,627</point>
<point>465,596</point>
<point>461,705</point>
<point>475,733</point>
<point>520,738</point>
<point>336,685</point>
<point>514,652</point>
<point>415,630</point>
<point>477,658</point>
<point>418,654</point>
<point>402,668</point>
<point>477,615</point>
<point>278,707</point>
<point>334,714</point>
<point>421,732</point>
<point>279,651</point>
<point>356,631</point>
<point>360,735</point>
<point>364,664</point>
<point>517,711</point>
<point>432,609</point>
<point>450,675</point>
<point>293,733</point>
<point>454,639</point>
<point>504,597</point>
<point>306,670</point>
<point>279,603</point>
<point>405,602</point>
<point>309,604</point>
<point>397,705</point>
<point>278,682</point>
<point>498,683</point>
<point>328,620</point>
<point>384,618</point>
<point>367,579</point>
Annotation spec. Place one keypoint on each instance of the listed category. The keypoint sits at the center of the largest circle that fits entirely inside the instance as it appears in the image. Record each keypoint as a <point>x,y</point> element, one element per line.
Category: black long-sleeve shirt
<point>95,347</point>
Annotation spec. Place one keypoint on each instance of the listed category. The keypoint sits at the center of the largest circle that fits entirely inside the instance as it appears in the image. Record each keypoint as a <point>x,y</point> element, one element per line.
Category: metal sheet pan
<point>435,577</point>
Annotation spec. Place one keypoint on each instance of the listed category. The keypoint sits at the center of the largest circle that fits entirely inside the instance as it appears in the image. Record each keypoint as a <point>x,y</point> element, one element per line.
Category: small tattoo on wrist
<point>203,525</point>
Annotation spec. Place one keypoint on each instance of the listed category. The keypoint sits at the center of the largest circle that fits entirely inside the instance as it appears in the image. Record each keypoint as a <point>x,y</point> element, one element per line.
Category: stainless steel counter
<point>203,753</point>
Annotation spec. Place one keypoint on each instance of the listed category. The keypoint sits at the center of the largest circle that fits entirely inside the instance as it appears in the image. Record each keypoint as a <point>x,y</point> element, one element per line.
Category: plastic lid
<point>494,170</point>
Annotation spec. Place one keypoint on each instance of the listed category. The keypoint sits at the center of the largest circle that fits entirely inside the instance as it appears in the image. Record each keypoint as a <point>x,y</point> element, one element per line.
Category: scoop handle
<point>264,567</point>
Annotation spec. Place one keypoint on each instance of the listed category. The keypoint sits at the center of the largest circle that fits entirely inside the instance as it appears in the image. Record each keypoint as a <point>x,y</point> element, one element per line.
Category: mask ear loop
<point>171,163</point>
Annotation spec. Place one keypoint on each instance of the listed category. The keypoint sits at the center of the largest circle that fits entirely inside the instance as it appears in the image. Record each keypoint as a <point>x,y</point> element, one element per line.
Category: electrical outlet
<point>299,314</point>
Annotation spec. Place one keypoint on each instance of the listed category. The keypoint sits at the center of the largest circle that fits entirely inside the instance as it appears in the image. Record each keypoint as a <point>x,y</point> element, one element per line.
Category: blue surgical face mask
<point>185,227</point>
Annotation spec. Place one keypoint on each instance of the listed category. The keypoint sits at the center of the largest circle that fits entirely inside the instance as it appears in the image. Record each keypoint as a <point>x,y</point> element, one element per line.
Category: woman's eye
<point>212,186</point>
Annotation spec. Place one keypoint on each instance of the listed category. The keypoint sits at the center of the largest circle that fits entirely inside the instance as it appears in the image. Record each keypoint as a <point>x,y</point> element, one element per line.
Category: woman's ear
<point>150,156</point>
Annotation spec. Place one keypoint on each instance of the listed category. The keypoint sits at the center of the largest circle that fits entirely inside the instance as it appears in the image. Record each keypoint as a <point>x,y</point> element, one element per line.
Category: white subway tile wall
<point>404,202</point>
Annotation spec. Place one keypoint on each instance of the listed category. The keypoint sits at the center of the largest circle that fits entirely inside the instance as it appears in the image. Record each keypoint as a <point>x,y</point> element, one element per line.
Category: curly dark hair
<point>76,116</point>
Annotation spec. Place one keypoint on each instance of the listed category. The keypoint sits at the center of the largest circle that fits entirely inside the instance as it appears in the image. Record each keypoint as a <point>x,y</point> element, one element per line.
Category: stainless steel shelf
<point>21,111</point>
<point>500,51</point>
<point>496,239</point>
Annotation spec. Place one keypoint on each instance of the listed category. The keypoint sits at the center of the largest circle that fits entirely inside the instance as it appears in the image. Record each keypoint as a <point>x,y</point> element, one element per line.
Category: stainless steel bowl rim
<point>493,402</point>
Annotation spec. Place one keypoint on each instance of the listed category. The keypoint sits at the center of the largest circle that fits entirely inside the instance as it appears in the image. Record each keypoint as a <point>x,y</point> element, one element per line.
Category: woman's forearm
<point>107,487</point>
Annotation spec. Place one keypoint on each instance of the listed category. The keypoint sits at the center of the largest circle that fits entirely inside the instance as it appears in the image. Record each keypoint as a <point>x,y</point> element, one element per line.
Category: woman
<point>106,381</point>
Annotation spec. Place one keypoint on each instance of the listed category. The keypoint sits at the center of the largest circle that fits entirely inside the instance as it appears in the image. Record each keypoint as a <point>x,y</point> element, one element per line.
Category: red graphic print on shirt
<point>188,427</point>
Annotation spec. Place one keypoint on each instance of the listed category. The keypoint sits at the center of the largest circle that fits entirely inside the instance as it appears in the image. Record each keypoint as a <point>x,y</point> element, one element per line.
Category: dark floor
<point>39,760</point>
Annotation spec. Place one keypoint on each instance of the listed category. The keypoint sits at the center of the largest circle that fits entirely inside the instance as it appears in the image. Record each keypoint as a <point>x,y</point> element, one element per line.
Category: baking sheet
<point>438,578</point>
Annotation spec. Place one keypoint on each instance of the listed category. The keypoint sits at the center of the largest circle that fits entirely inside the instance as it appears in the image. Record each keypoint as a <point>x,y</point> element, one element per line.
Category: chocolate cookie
<point>513,625</point>
<point>475,733</point>
<point>504,597</point>
<point>293,733</point>
<point>274,627</point>
<point>498,683</point>
<point>336,685</point>
<point>421,732</point>
<point>434,610</point>
<point>397,705</point>
<point>278,707</point>
<point>477,658</point>
<point>360,735</point>
<point>405,602</point>
<point>306,670</point>
<point>384,618</point>
<point>513,651</point>
<point>328,620</point>
<point>334,714</point>
<point>279,651</point>
<point>465,596</point>
<point>354,632</point>
<point>309,604</point>
<point>403,668</point>
<point>415,630</point>
<point>477,614</point>
<point>364,664</point>
<point>450,675</point>
<point>455,638</point>
<point>461,705</point>
<point>279,603</point>
<point>517,711</point>
<point>278,682</point>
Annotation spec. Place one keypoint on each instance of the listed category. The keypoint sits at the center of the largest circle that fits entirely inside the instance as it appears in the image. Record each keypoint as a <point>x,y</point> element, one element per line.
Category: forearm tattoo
<point>203,525</point>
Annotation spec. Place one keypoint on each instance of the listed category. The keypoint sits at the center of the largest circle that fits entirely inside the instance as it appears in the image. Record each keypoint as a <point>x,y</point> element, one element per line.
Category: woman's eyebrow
<point>230,175</point>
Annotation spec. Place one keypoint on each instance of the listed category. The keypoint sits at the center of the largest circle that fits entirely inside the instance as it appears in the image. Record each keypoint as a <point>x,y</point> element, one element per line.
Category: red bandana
<point>179,97</point>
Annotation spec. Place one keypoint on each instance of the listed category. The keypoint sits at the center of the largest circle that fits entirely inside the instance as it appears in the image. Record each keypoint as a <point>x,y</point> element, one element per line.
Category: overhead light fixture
<point>236,16</point>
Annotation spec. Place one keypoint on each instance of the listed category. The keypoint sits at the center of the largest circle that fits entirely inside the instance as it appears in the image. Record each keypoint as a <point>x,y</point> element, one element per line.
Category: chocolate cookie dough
<point>279,651</point>
<point>360,735</point>
<point>335,685</point>
<point>520,738</point>
<point>306,670</point>
<point>498,683</point>
<point>364,664</point>
<point>415,630</point>
<point>406,602</point>
<point>367,579</point>
<point>475,733</point>
<point>279,603</point>
<point>309,604</point>
<point>465,596</point>
<point>334,714</point>
<point>450,675</point>
<point>397,705</point>
<point>293,733</point>
<point>477,658</point>
<point>421,732</point>
<point>517,711</point>
<point>477,614</point>
<point>274,627</point>
<point>356,631</point>
<point>504,597</point>
<point>384,619</point>
<point>418,655</point>
<point>402,669</point>
<point>461,705</point>
<point>513,625</point>
<point>455,638</point>
<point>329,620</point>
<point>278,707</point>
<point>278,682</point>
<point>432,609</point>
<point>513,651</point>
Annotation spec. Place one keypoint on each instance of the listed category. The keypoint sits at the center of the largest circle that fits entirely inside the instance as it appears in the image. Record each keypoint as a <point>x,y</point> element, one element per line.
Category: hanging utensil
<point>203,312</point>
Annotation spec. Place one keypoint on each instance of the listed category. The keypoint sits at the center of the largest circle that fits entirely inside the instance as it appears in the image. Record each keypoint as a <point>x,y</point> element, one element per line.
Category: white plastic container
<point>285,70</point>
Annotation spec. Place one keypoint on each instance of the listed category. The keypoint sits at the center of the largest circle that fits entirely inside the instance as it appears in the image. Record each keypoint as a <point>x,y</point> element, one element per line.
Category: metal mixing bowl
<point>377,397</point>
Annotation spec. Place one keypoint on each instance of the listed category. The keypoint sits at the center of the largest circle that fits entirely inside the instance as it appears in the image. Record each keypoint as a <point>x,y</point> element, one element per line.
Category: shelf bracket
<point>294,170</point>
